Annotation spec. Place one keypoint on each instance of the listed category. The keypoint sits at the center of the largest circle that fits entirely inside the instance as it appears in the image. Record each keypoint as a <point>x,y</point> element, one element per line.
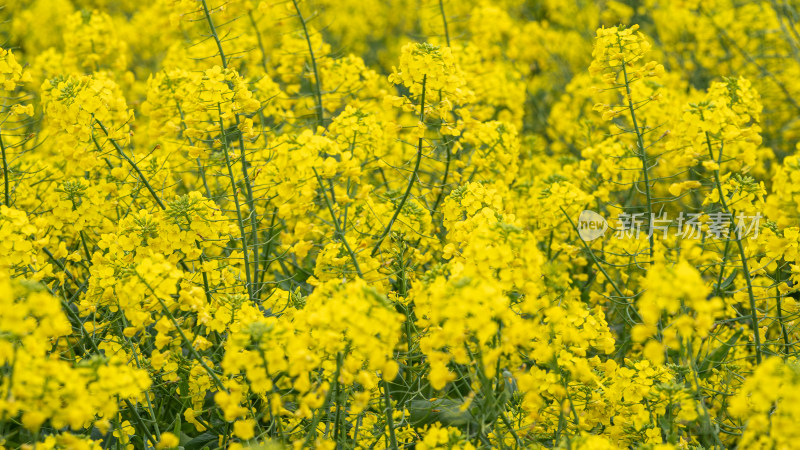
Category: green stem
<point>784,333</point>
<point>742,255</point>
<point>326,406</point>
<point>236,203</point>
<point>129,161</point>
<point>444,21</point>
<point>260,42</point>
<point>389,415</point>
<point>5,172</point>
<point>251,206</point>
<point>192,350</point>
<point>320,112</point>
<point>214,34</point>
<point>339,231</point>
<point>642,151</point>
<point>411,179</point>
<point>594,258</point>
<point>146,183</point>
<point>78,325</point>
<point>200,168</point>
<point>337,399</point>
<point>272,234</point>
<point>444,178</point>
<point>245,175</point>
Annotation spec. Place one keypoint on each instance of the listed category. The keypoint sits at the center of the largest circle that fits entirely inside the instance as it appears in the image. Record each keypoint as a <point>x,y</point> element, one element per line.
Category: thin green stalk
<point>742,255</point>
<point>444,178</point>
<point>347,188</point>
<point>789,97</point>
<point>692,363</point>
<point>214,34</point>
<point>5,172</point>
<point>246,176</point>
<point>337,396</point>
<point>389,415</point>
<point>85,247</point>
<point>276,422</point>
<point>192,350</point>
<point>510,427</point>
<point>320,117</point>
<point>78,325</point>
<point>326,406</point>
<point>339,231</point>
<point>138,419</point>
<point>718,289</point>
<point>236,203</point>
<point>260,42</point>
<point>271,236</point>
<point>150,189</point>
<point>60,266</point>
<point>751,295</point>
<point>642,151</point>
<point>142,178</point>
<point>9,385</point>
<point>444,21</point>
<point>251,206</point>
<point>200,168</point>
<point>138,366</point>
<point>784,333</point>
<point>411,179</point>
<point>594,258</point>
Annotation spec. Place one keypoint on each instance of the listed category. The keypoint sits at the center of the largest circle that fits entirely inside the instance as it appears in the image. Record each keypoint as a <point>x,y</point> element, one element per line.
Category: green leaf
<point>176,430</point>
<point>728,281</point>
<point>444,410</point>
<point>199,442</point>
<point>716,357</point>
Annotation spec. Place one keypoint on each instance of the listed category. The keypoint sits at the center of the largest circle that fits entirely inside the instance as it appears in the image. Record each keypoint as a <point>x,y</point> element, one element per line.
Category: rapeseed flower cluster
<point>399,224</point>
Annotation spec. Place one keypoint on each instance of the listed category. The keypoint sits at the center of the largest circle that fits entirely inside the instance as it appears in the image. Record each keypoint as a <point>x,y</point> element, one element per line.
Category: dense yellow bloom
<point>360,224</point>
<point>11,70</point>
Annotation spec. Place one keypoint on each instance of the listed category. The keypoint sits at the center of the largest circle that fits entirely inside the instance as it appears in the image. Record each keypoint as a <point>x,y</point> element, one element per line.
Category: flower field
<point>360,224</point>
